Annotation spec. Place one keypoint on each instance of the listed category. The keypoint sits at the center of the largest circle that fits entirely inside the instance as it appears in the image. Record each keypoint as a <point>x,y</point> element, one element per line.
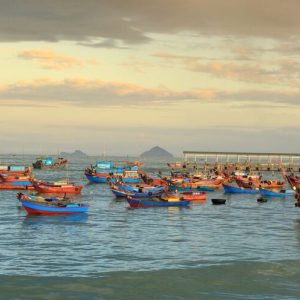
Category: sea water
<point>241,250</point>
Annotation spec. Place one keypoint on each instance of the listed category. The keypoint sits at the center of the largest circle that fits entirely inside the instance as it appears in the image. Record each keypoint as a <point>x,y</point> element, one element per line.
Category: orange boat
<point>194,196</point>
<point>9,186</point>
<point>208,183</point>
<point>14,178</point>
<point>265,184</point>
<point>15,170</point>
<point>60,187</point>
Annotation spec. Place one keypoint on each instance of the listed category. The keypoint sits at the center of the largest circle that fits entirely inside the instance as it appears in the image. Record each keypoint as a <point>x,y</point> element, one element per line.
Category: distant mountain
<point>76,153</point>
<point>157,153</point>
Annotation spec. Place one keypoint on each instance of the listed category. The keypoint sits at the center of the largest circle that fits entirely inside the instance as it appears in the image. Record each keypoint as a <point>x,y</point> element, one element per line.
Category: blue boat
<point>138,189</point>
<point>105,171</point>
<point>38,205</point>
<point>34,208</point>
<point>145,194</point>
<point>96,179</point>
<point>238,190</point>
<point>282,193</point>
<point>189,189</point>
<point>143,203</point>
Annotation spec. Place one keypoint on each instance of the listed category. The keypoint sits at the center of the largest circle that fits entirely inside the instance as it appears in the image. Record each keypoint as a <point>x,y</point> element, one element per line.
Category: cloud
<point>106,43</point>
<point>270,72</point>
<point>53,60</point>
<point>131,22</point>
<point>87,93</point>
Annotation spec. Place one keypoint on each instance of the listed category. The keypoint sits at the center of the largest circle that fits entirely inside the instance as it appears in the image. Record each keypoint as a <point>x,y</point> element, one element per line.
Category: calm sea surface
<point>241,250</point>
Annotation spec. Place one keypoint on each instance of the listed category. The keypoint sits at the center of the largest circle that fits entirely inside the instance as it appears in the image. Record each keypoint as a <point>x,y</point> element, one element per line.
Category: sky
<point>121,76</point>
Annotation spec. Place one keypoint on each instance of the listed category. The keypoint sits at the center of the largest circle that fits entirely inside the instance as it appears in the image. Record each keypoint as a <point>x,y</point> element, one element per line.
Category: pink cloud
<point>50,59</point>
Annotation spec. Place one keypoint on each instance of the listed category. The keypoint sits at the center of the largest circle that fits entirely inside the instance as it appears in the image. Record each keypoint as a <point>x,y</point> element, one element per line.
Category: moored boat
<point>15,170</point>
<point>51,207</point>
<point>281,193</point>
<point>238,190</point>
<point>50,163</point>
<point>144,203</point>
<point>194,196</point>
<point>119,192</point>
<point>59,187</point>
<point>265,184</point>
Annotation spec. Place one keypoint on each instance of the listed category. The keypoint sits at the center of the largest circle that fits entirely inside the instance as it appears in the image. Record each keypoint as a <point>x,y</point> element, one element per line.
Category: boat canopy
<point>104,165</point>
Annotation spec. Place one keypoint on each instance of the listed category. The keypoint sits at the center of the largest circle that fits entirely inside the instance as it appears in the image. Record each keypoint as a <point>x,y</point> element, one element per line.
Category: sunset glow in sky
<point>122,76</point>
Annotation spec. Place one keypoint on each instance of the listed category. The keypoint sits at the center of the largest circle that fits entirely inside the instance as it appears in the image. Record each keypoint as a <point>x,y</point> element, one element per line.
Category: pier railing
<point>243,160</point>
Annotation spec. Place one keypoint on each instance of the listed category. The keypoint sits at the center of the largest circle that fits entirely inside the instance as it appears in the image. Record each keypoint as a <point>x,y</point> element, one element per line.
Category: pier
<point>244,160</point>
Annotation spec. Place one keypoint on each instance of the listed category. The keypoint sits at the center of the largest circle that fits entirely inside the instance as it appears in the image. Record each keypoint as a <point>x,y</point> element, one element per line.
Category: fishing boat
<point>15,182</point>
<point>156,202</point>
<point>294,181</point>
<point>17,170</point>
<point>281,193</point>
<point>102,170</point>
<point>15,186</point>
<point>141,187</point>
<point>50,163</point>
<point>265,184</point>
<point>51,206</point>
<point>190,189</point>
<point>194,196</point>
<point>121,190</point>
<point>154,192</point>
<point>59,187</point>
<point>128,176</point>
<point>238,190</point>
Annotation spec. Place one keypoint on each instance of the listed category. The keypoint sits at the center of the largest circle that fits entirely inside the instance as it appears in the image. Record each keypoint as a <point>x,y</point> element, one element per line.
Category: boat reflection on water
<point>55,219</point>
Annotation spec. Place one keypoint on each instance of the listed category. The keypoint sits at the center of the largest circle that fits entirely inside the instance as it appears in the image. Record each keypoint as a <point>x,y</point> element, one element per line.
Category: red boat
<point>294,181</point>
<point>57,187</point>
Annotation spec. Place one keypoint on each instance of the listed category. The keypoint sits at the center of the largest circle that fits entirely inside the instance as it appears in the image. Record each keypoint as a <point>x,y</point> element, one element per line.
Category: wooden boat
<point>50,163</point>
<point>15,186</point>
<point>51,207</point>
<point>148,193</point>
<point>194,196</point>
<point>60,187</point>
<point>15,182</point>
<point>38,205</point>
<point>215,184</point>
<point>103,171</point>
<point>16,170</point>
<point>189,189</point>
<point>294,181</point>
<point>128,176</point>
<point>281,193</point>
<point>144,203</point>
<point>238,190</point>
<point>265,184</point>
<point>137,187</point>
<point>15,178</point>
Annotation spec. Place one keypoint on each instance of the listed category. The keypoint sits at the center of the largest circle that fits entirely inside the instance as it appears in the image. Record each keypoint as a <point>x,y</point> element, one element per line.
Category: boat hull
<point>60,189</point>
<point>97,179</point>
<point>194,196</point>
<point>36,209</point>
<point>136,203</point>
<point>236,190</point>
